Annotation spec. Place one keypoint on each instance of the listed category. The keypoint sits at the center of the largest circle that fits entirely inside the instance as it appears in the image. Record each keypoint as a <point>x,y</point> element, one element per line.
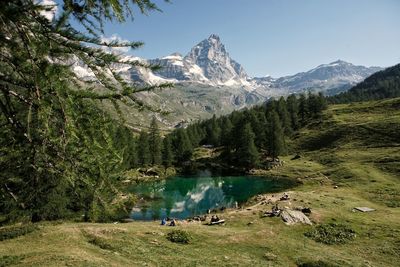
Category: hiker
<point>172,223</point>
<point>163,221</point>
<point>285,196</point>
<point>236,205</point>
<point>214,218</point>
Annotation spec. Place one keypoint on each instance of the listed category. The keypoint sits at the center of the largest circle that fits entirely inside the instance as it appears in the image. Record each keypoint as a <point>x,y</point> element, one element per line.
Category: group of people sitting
<point>172,222</point>
<point>214,218</point>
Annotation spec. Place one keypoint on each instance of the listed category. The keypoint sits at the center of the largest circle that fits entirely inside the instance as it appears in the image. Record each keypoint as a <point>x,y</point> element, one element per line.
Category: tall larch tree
<point>247,154</point>
<point>45,149</point>
<point>275,135</point>
<point>155,143</point>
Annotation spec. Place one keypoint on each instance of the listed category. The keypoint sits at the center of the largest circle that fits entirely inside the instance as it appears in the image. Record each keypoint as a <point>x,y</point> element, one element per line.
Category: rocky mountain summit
<point>209,63</point>
<point>208,81</point>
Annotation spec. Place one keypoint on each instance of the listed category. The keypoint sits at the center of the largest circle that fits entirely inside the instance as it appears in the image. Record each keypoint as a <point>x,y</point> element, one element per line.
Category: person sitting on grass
<point>214,218</point>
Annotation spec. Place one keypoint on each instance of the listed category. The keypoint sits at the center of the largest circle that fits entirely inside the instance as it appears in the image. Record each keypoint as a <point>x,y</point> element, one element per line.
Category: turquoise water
<point>182,197</point>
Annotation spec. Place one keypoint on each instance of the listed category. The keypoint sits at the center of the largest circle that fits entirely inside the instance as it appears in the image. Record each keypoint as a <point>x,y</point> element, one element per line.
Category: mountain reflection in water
<point>183,197</point>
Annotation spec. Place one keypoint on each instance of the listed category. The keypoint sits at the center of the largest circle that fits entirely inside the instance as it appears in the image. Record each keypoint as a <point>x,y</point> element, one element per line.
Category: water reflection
<point>182,197</point>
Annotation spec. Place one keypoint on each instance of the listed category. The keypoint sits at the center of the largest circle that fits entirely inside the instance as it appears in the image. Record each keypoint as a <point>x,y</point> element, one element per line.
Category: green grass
<point>355,148</point>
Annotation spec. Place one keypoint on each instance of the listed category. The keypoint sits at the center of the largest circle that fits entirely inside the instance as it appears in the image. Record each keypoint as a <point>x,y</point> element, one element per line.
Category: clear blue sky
<point>276,37</point>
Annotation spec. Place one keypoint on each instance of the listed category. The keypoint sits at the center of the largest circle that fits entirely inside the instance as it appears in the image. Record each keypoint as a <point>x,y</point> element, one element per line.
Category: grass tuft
<point>16,231</point>
<point>331,234</point>
<point>179,236</point>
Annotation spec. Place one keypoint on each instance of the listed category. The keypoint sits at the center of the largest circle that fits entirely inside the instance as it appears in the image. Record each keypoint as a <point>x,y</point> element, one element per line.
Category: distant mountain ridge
<point>208,81</point>
<point>380,85</point>
<point>209,63</point>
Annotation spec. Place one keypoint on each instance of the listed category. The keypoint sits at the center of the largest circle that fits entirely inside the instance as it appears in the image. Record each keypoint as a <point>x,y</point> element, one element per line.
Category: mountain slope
<point>326,77</point>
<point>207,81</point>
<point>383,84</point>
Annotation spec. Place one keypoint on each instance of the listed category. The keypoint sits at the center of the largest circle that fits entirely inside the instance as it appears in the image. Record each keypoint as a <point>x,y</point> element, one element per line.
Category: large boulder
<point>291,217</point>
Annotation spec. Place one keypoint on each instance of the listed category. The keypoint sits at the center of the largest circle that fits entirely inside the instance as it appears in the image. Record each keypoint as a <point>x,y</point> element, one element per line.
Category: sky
<point>273,37</point>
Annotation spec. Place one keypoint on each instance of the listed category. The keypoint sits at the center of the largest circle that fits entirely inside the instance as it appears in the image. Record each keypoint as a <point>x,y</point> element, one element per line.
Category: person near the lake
<point>163,221</point>
<point>172,223</point>
<point>214,218</point>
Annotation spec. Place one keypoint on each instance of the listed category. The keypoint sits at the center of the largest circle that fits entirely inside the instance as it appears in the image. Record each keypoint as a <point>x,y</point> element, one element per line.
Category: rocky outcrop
<point>291,217</point>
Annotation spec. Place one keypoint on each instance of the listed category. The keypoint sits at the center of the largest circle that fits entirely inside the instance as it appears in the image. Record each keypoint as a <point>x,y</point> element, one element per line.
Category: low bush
<point>331,234</point>
<point>179,236</point>
<point>16,231</point>
<point>9,260</point>
<point>100,242</point>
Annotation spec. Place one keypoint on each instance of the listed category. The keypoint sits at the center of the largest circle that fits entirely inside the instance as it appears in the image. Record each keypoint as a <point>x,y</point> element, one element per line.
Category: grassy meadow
<point>348,159</point>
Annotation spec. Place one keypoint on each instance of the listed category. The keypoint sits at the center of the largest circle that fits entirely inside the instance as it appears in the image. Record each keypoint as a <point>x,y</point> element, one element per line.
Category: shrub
<point>331,234</point>
<point>179,236</point>
<point>15,231</point>
<point>100,242</point>
<point>9,260</point>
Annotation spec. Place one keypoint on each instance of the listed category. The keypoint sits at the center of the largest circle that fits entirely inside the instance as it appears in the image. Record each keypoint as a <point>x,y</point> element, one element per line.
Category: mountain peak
<point>339,62</point>
<point>212,58</point>
<point>214,37</point>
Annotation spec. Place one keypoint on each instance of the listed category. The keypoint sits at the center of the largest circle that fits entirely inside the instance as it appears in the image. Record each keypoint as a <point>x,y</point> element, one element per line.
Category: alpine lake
<point>183,197</point>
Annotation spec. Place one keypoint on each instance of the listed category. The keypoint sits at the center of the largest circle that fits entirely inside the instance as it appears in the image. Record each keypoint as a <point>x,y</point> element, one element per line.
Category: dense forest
<point>248,138</point>
<point>380,85</point>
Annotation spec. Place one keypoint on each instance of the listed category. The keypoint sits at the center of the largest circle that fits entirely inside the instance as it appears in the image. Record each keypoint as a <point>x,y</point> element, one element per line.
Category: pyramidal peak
<point>214,37</point>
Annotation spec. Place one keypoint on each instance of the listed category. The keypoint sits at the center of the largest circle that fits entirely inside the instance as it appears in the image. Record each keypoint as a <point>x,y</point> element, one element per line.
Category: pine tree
<point>183,147</point>
<point>226,130</point>
<point>284,116</point>
<point>213,132</point>
<point>276,142</point>
<point>247,154</point>
<point>293,109</point>
<point>168,156</point>
<point>155,143</point>
<point>303,109</point>
<point>144,149</point>
<point>46,107</point>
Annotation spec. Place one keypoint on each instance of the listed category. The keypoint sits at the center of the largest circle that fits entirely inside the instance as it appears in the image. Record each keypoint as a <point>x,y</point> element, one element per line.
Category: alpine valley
<point>208,81</point>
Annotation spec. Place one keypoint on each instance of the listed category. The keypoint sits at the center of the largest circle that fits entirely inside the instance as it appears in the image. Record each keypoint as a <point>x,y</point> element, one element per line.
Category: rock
<point>335,187</point>
<point>364,209</point>
<point>291,217</point>
<point>297,156</point>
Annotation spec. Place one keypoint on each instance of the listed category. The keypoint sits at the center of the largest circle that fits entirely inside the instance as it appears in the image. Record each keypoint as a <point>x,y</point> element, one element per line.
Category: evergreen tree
<point>276,142</point>
<point>55,144</point>
<point>247,154</point>
<point>183,147</point>
<point>213,132</point>
<point>144,149</point>
<point>226,130</point>
<point>168,156</point>
<point>293,109</point>
<point>303,109</point>
<point>155,143</point>
<point>284,116</point>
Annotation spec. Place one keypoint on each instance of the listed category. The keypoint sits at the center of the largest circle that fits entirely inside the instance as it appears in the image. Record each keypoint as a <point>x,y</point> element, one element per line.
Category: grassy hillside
<point>356,147</point>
